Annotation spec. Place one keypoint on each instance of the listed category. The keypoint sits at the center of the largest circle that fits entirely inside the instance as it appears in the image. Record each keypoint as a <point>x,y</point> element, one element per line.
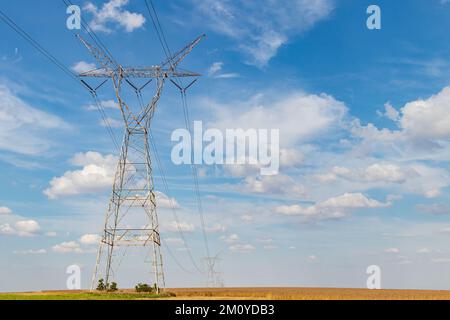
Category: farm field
<point>240,293</point>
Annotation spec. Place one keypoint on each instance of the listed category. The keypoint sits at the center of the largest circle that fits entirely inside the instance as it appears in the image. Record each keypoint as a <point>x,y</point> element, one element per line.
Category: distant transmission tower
<point>131,219</point>
<point>214,276</point>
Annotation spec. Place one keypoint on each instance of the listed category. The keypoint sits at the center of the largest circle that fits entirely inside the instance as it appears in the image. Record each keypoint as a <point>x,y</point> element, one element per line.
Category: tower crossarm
<point>176,59</point>
<point>102,58</point>
<point>157,72</point>
<point>144,72</point>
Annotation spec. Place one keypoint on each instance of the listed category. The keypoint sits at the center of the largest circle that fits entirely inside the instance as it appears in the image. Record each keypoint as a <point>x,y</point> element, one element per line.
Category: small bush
<point>112,287</point>
<point>109,287</point>
<point>101,285</point>
<point>144,288</point>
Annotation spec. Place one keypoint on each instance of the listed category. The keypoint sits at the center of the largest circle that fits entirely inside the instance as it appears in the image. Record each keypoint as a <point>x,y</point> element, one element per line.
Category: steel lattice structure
<point>131,218</point>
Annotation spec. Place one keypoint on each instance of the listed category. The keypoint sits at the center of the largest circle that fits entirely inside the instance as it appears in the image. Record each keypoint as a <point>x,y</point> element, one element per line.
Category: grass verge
<point>82,296</point>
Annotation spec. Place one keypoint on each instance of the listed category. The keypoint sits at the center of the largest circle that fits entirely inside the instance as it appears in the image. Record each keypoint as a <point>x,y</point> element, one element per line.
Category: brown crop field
<point>240,293</point>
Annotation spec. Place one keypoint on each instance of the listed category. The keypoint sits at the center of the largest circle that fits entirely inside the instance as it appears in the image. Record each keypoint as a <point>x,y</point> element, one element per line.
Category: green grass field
<point>79,296</point>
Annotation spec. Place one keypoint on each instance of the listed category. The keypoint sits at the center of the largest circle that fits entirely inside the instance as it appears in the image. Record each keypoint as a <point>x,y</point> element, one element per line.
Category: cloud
<point>299,117</point>
<point>215,68</point>
<point>352,201</point>
<point>111,122</point>
<point>332,208</point>
<point>428,119</point>
<point>392,250</point>
<point>214,71</point>
<point>90,239</point>
<point>32,252</point>
<point>423,130</point>
<point>6,229</point>
<point>247,218</point>
<point>377,172</point>
<point>106,104</point>
<point>67,247</point>
<point>23,129</point>
<point>5,211</point>
<point>291,157</point>
<point>386,172</point>
<point>112,12</point>
<point>275,185</point>
<point>266,241</point>
<point>217,228</point>
<point>410,177</point>
<point>174,241</point>
<point>174,226</point>
<point>228,75</point>
<point>163,201</point>
<point>82,66</point>
<point>260,28</point>
<point>96,175</point>
<point>232,238</point>
<point>27,228</point>
<point>21,228</point>
<point>435,209</point>
<point>242,248</point>
<point>390,112</point>
<point>441,260</point>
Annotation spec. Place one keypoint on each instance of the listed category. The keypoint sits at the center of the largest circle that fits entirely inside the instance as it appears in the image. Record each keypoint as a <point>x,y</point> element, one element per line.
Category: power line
<point>162,39</point>
<point>172,204</point>
<point>195,175</point>
<point>36,45</point>
<point>10,22</point>
<point>91,33</point>
<point>159,31</point>
<point>167,191</point>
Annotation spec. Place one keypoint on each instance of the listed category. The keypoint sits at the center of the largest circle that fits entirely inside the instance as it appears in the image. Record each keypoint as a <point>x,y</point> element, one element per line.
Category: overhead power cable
<point>162,39</point>
<point>25,35</point>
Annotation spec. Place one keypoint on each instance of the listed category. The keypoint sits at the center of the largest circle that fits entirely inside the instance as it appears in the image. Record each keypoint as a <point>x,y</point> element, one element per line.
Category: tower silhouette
<point>131,219</point>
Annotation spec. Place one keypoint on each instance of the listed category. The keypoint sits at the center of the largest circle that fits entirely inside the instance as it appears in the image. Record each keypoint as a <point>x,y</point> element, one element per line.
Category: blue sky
<point>364,125</point>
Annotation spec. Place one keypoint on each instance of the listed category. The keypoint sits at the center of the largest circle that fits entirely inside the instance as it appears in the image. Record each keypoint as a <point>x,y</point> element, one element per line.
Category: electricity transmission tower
<point>131,219</point>
<point>214,277</point>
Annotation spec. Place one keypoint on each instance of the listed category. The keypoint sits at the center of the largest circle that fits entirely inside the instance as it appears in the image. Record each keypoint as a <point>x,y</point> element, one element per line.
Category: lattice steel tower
<point>131,219</point>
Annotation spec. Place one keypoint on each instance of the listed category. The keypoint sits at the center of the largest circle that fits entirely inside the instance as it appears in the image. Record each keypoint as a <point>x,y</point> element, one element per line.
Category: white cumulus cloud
<point>332,208</point>
<point>97,174</point>
<point>67,247</point>
<point>113,12</point>
<point>260,28</point>
<point>83,66</point>
<point>90,239</point>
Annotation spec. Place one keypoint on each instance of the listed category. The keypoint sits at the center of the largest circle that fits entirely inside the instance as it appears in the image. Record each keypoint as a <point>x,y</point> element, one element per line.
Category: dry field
<point>243,293</point>
<point>309,294</point>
